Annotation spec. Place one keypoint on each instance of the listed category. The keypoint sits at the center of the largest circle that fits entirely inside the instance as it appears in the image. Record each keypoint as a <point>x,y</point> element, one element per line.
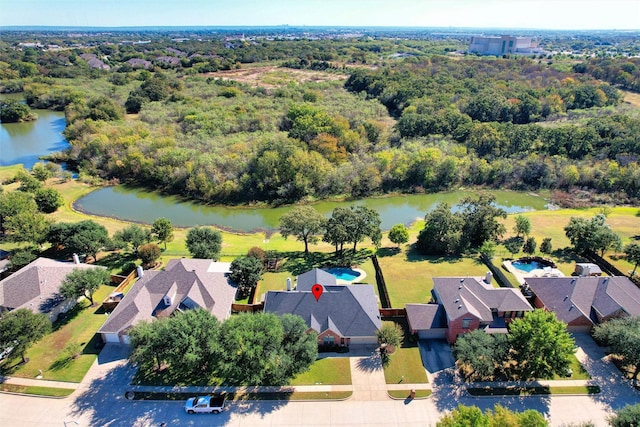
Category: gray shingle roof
<point>311,277</point>
<point>461,295</point>
<point>574,297</point>
<point>36,285</point>
<point>349,310</point>
<point>426,316</point>
<point>199,281</point>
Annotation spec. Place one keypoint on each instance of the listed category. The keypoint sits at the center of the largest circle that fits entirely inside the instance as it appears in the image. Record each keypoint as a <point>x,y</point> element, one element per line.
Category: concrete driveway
<point>436,355</point>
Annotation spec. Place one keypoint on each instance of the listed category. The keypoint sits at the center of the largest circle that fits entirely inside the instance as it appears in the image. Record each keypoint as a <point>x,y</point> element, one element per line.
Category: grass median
<point>36,390</point>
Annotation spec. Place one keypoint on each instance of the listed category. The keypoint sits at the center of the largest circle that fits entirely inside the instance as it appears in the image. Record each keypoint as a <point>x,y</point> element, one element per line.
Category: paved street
<point>99,401</point>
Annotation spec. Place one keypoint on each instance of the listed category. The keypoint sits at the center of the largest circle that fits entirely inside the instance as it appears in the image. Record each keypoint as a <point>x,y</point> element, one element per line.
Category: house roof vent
<point>459,307</point>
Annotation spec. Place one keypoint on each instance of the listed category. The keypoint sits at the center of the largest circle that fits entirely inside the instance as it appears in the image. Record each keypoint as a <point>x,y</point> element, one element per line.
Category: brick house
<point>344,315</point>
<point>467,304</point>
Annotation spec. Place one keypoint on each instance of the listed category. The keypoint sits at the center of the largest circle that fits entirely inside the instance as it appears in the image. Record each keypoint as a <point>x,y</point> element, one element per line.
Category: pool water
<point>343,273</point>
<point>527,267</point>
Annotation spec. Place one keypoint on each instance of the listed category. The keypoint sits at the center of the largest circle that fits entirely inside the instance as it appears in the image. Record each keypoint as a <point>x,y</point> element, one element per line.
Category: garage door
<point>432,333</point>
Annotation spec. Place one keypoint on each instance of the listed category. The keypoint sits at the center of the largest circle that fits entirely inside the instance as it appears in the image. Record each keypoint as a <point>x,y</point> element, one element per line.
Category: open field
<point>271,76</point>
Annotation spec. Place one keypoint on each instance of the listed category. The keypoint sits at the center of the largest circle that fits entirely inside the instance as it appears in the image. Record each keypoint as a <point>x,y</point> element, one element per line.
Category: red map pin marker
<point>317,290</point>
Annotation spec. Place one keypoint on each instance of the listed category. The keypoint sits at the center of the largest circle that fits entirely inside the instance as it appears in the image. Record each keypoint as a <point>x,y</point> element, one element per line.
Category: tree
<point>366,223</point>
<point>390,334</point>
<point>22,257</point>
<point>545,246</point>
<point>163,230</point>
<point>305,223</point>
<point>149,253</point>
<point>40,172</point>
<point>12,111</point>
<point>472,416</point>
<point>591,234</point>
<point>514,244</point>
<point>12,203</point>
<point>246,271</point>
<point>523,226</point>
<point>336,228</point>
<point>632,254</point>
<point>299,348</point>
<point>488,249</point>
<point>623,338</point>
<point>48,199</point>
<point>83,282</point>
<point>399,234</point>
<point>628,416</point>
<point>479,355</point>
<point>530,246</point>
<point>133,235</point>
<point>441,233</point>
<point>204,242</point>
<point>464,416</point>
<point>26,226</point>
<point>21,328</point>
<point>480,220</point>
<point>540,345</point>
<point>87,237</point>
<point>252,347</point>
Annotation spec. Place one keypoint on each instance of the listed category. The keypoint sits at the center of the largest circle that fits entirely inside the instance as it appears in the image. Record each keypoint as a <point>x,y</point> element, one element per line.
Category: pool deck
<point>540,272</point>
<point>362,275</point>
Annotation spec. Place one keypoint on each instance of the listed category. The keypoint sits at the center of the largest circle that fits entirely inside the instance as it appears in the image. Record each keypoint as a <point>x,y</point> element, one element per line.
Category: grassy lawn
<point>404,394</point>
<point>408,275</point>
<point>405,364</point>
<point>49,355</point>
<point>273,282</point>
<point>330,370</point>
<point>296,395</point>
<point>35,390</point>
<point>578,371</point>
<point>530,391</point>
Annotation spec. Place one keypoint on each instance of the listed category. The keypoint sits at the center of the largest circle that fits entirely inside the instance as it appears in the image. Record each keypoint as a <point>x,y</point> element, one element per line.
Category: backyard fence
<point>382,287</point>
<point>497,272</point>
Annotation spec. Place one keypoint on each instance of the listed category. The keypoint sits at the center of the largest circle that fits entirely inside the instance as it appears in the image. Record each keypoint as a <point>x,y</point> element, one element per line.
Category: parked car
<point>205,405</point>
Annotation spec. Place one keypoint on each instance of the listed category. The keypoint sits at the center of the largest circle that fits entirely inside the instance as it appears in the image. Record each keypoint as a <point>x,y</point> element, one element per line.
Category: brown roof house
<point>36,287</point>
<point>582,302</point>
<point>344,315</point>
<point>467,304</point>
<point>185,284</point>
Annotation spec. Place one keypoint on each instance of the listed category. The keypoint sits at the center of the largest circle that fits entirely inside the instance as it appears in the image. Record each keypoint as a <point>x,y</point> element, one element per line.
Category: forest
<point>332,117</point>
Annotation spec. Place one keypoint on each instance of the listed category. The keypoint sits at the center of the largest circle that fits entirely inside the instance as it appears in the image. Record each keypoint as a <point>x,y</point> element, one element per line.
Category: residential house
<point>36,287</point>
<point>94,62</point>
<point>468,303</point>
<point>185,284</point>
<point>582,302</point>
<point>343,315</point>
<point>139,63</point>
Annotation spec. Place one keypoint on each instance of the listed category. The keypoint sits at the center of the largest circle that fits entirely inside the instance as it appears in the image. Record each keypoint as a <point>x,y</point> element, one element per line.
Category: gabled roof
<point>471,295</point>
<point>36,285</point>
<point>426,316</point>
<point>348,310</point>
<point>311,277</point>
<point>574,297</point>
<point>198,281</point>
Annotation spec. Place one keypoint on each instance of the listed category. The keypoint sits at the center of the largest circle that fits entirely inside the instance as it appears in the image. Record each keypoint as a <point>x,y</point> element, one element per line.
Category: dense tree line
<point>621,72</point>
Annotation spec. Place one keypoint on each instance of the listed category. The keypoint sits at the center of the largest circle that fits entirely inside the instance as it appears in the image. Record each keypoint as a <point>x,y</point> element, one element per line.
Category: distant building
<point>503,45</point>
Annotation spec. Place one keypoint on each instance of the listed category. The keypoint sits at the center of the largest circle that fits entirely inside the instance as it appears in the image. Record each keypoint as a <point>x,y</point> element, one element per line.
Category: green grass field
<point>36,391</point>
<point>405,364</point>
<point>330,370</point>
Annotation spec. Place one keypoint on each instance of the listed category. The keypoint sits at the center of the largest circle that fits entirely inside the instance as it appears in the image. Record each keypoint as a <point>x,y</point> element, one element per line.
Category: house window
<point>466,323</point>
<point>328,340</point>
<point>507,314</point>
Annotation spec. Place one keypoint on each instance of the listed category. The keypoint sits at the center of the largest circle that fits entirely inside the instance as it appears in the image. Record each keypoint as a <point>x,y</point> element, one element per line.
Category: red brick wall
<point>455,327</point>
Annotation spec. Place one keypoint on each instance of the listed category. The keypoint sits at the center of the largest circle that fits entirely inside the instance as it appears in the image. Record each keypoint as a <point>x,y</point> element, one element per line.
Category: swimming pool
<point>527,267</point>
<point>344,273</point>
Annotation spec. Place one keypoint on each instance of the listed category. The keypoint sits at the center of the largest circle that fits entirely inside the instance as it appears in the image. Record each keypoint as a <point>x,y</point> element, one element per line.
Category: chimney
<point>140,271</point>
<point>76,259</point>
<point>288,284</point>
<point>488,277</point>
<point>586,271</point>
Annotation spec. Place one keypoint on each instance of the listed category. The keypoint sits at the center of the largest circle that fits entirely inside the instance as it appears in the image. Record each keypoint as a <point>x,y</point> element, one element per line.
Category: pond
<point>26,142</point>
<point>138,205</point>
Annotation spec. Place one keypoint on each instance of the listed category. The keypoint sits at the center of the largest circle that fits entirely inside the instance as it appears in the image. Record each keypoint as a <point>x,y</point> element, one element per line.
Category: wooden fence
<point>382,286</point>
<point>109,304</point>
<point>250,308</point>
<point>497,272</point>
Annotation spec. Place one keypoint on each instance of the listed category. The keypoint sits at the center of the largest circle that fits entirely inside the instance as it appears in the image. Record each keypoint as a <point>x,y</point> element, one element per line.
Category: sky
<point>543,14</point>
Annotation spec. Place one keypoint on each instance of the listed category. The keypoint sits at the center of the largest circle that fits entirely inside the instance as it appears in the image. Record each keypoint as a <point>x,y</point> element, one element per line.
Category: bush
<point>149,253</point>
<point>257,252</point>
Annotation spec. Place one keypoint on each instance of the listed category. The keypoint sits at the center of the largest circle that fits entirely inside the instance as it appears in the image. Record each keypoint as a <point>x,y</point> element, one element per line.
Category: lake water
<point>26,142</point>
<point>133,204</point>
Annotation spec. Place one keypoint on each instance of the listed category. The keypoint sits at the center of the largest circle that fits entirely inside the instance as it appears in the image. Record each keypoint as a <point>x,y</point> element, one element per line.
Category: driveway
<point>436,355</point>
